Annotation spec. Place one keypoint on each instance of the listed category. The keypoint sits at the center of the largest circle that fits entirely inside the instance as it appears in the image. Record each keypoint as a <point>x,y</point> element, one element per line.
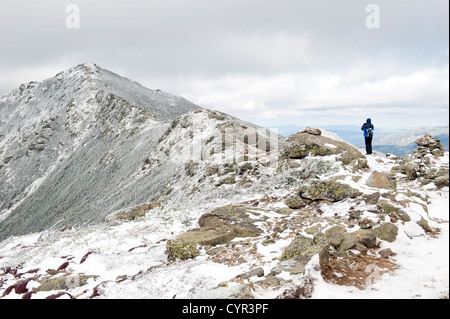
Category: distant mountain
<point>404,142</point>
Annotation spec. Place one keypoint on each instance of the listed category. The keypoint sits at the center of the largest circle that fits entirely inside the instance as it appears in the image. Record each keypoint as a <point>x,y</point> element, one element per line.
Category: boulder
<point>335,235</point>
<point>310,130</point>
<point>298,247</point>
<point>179,249</point>
<point>396,212</point>
<point>299,253</point>
<point>442,181</point>
<point>360,239</point>
<point>372,199</point>
<point>295,202</point>
<point>386,231</point>
<point>217,227</point>
<point>309,141</point>
<point>328,190</point>
<point>351,155</point>
<point>381,180</point>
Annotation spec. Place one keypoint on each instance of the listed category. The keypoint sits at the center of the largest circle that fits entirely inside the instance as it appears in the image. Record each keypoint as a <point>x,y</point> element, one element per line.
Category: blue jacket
<point>366,126</point>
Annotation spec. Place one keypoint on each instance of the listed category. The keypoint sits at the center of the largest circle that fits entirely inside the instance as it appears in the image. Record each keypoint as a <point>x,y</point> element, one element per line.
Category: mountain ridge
<point>104,195</point>
<point>73,150</point>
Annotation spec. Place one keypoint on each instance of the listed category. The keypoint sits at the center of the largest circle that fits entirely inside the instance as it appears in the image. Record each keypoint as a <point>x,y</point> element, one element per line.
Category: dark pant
<point>368,145</point>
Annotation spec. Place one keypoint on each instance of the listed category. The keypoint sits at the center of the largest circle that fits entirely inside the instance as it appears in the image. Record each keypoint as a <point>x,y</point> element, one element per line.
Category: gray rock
<point>386,231</point>
<point>381,180</point>
<point>328,190</point>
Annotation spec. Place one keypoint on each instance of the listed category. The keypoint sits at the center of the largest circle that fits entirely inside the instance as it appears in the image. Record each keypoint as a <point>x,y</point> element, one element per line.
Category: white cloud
<point>291,96</point>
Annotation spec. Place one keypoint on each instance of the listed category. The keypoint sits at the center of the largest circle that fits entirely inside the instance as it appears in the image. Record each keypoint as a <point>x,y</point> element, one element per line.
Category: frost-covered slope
<point>128,259</point>
<point>70,145</point>
<point>110,190</point>
<point>88,143</point>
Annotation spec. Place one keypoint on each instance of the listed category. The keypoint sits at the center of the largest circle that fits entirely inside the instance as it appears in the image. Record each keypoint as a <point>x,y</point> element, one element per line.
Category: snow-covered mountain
<point>404,142</point>
<point>88,142</point>
<point>112,190</point>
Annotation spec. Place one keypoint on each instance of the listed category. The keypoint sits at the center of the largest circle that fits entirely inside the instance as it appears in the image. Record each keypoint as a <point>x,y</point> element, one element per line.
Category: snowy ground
<point>129,259</point>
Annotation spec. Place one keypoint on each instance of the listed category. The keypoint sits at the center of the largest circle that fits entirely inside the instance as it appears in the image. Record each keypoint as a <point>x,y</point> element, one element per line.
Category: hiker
<point>368,135</point>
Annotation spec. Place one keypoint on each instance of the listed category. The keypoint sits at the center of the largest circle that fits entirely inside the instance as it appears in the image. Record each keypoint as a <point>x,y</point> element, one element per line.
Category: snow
<point>137,250</point>
<point>128,259</point>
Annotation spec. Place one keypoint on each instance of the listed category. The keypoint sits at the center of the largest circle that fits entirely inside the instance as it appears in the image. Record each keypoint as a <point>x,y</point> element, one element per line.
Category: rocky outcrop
<point>217,227</point>
<point>310,141</point>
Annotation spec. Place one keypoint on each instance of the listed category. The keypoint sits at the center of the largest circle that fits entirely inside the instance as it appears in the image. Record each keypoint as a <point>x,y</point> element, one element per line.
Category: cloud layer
<point>269,62</point>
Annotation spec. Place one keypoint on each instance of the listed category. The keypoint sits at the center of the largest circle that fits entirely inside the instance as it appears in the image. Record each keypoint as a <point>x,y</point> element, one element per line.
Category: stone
<point>348,242</point>
<point>301,256</point>
<point>365,237</point>
<point>372,198</point>
<point>442,181</point>
<point>298,247</point>
<point>328,190</point>
<point>387,208</point>
<point>63,283</point>
<point>424,224</point>
<point>351,155</point>
<point>302,144</point>
<point>359,164</point>
<point>295,202</point>
<point>411,172</point>
<point>217,227</point>
<point>386,253</point>
<point>259,272</point>
<point>310,130</point>
<point>386,231</point>
<point>335,235</point>
<point>237,215</point>
<point>245,292</point>
<point>183,250</point>
<point>381,180</point>
<point>227,181</point>
<point>366,223</point>
<point>361,240</point>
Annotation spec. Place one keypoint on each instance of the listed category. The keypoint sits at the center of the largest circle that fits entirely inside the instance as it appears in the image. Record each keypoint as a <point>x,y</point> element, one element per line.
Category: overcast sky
<point>270,62</point>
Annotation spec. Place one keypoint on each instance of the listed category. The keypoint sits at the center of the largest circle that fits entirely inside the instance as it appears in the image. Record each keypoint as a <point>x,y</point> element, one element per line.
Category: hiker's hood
<point>369,121</point>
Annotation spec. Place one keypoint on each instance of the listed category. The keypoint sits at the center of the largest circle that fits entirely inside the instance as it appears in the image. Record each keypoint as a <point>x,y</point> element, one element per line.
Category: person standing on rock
<point>368,135</point>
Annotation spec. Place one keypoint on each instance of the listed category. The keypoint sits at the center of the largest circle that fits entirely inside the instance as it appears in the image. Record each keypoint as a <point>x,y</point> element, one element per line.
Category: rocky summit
<point>111,190</point>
